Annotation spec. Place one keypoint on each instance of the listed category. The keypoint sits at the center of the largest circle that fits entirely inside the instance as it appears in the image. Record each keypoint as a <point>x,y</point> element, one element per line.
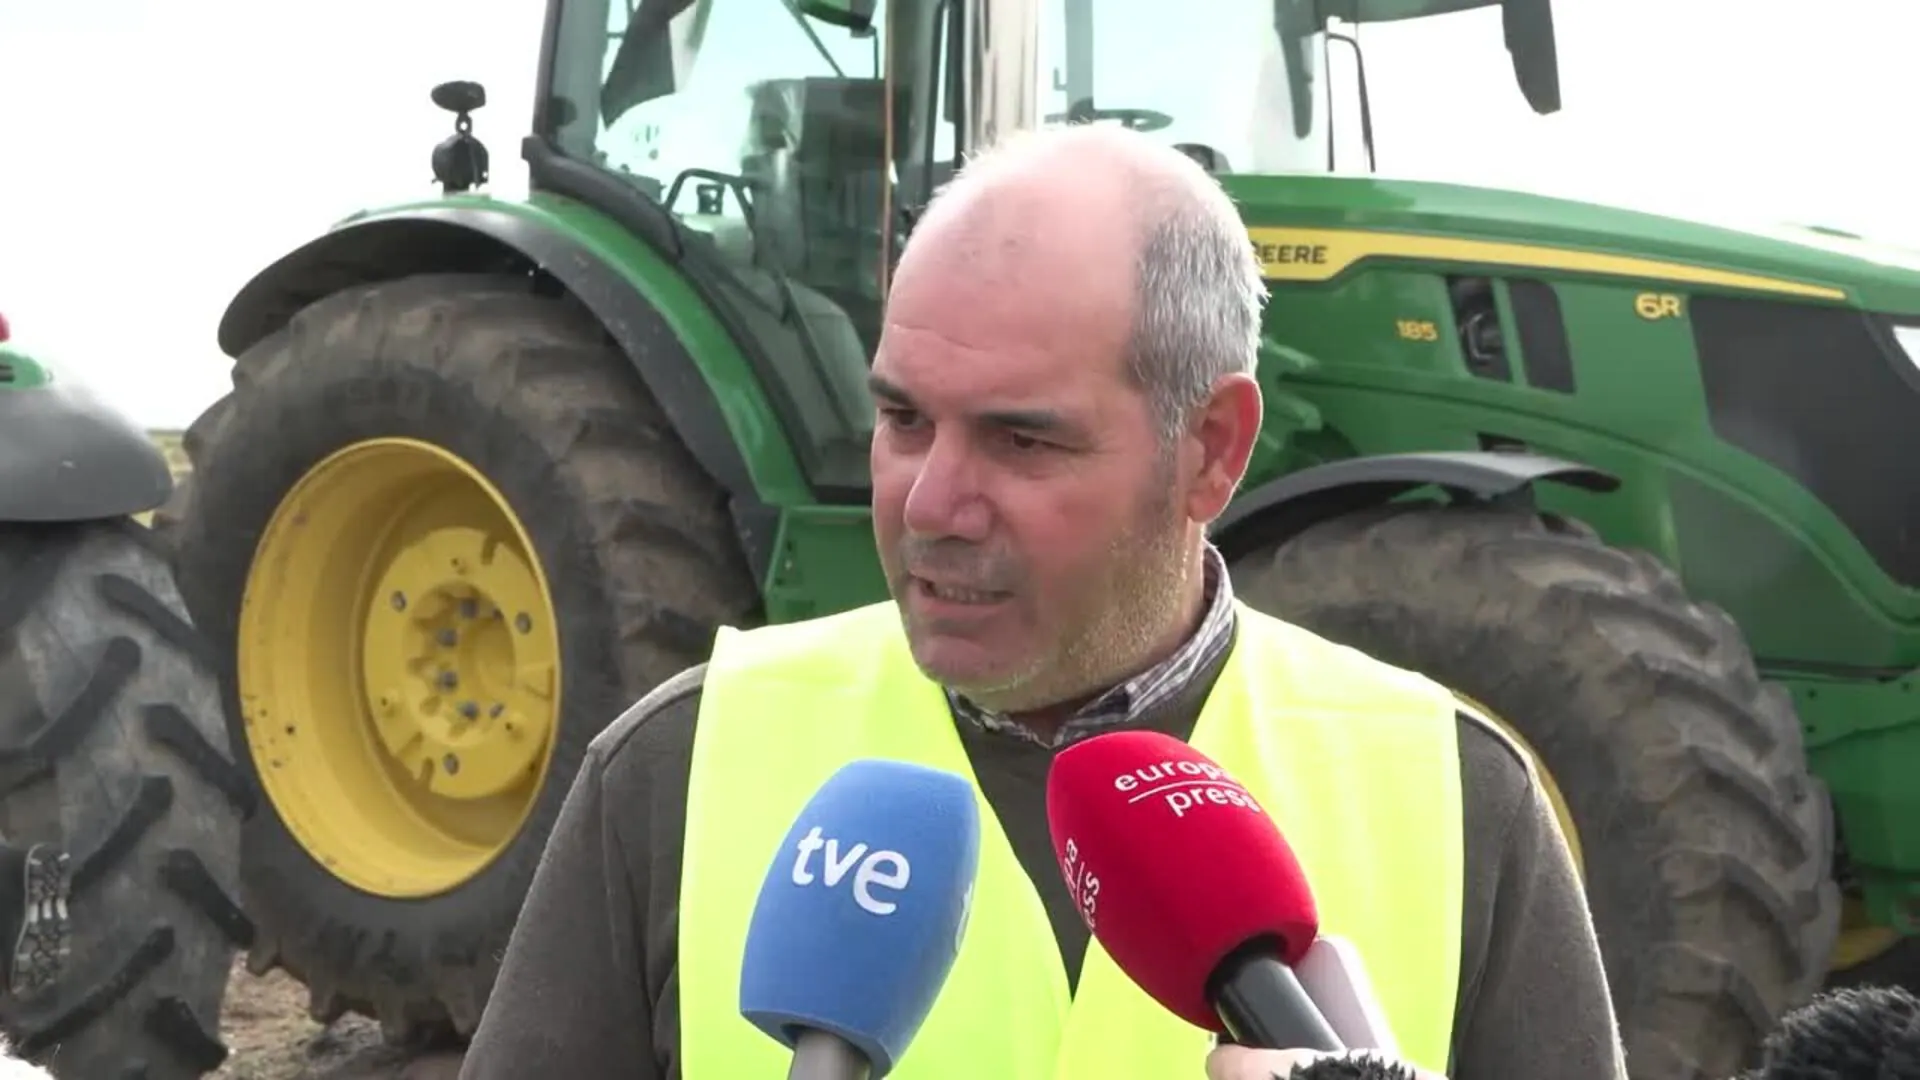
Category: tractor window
<point>759,128</point>
<point>734,73</point>
<point>685,105</point>
<point>1215,83</point>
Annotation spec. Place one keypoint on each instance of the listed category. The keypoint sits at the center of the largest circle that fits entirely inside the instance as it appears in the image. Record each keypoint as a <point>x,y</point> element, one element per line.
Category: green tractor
<point>492,468</point>
<point>112,750</point>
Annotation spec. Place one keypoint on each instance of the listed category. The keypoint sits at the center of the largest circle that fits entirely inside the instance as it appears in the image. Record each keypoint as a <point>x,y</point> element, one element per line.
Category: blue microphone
<point>860,918</point>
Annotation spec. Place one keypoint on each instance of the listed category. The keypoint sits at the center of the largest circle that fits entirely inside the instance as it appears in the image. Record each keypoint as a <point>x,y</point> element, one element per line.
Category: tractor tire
<point>637,559</point>
<point>1705,844</point>
<point>111,747</point>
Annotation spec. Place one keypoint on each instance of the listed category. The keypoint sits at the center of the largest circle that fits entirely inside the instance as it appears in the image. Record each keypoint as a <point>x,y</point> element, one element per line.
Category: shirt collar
<point>1134,698</point>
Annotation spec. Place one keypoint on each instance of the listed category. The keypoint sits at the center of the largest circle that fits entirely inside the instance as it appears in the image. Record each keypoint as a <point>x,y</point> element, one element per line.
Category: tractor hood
<point>1313,227</point>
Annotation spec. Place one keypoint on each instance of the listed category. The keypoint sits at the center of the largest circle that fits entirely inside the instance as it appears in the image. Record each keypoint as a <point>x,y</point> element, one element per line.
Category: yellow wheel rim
<point>399,668</point>
<point>1552,787</point>
<point>1860,938</point>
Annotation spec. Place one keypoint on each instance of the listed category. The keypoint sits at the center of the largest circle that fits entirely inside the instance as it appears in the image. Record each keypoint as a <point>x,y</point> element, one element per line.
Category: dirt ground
<point>270,1038</point>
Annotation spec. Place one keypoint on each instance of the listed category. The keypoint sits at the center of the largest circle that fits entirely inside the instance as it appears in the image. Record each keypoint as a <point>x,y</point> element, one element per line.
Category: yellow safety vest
<point>1357,762</point>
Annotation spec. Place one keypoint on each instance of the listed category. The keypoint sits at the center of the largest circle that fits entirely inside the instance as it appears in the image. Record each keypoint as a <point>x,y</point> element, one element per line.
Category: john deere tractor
<point>111,750</point>
<point>491,468</point>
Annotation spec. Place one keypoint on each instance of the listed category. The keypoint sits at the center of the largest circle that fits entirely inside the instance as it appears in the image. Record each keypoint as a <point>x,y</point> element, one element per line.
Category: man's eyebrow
<point>1045,421</point>
<point>879,387</point>
<point>1041,420</point>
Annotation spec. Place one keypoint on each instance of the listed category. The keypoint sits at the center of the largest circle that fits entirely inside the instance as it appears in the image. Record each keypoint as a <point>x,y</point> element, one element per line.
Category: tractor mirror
<point>1528,26</point>
<point>1299,23</point>
<point>854,15</point>
<point>1536,59</point>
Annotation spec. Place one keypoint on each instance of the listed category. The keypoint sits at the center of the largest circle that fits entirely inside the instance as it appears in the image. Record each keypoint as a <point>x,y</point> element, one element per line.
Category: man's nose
<point>946,499</point>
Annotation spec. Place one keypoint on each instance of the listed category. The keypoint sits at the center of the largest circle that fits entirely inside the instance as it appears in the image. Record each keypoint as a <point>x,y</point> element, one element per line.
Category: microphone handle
<point>820,1056</point>
<point>1263,1006</point>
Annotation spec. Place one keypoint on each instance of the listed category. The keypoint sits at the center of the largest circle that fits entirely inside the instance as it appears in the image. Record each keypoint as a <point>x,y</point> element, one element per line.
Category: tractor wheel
<point>111,747</point>
<point>1704,844</point>
<point>446,537</point>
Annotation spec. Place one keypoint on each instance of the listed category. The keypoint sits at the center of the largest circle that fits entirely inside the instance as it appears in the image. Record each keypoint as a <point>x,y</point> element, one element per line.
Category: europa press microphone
<point>860,918</point>
<point>1189,887</point>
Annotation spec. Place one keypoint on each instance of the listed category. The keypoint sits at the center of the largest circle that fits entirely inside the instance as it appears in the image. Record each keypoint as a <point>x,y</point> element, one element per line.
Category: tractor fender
<point>431,239</point>
<point>1282,508</point>
<point>66,455</point>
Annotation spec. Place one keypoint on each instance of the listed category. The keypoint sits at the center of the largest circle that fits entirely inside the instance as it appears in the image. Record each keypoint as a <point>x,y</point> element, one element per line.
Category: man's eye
<point>903,419</point>
<point>1024,443</point>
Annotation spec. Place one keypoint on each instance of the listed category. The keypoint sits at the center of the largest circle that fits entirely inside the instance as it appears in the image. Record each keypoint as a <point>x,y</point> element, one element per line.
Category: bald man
<point>1065,399</point>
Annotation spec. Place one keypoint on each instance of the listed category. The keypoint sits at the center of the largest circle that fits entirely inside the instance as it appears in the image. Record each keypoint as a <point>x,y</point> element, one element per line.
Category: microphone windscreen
<point>1172,864</point>
<point>861,914</point>
<point>1352,1068</point>
<point>1854,1033</point>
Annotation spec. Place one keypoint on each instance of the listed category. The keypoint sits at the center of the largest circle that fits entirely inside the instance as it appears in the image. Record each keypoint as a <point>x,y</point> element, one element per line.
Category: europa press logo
<point>1184,786</point>
<point>1083,885</point>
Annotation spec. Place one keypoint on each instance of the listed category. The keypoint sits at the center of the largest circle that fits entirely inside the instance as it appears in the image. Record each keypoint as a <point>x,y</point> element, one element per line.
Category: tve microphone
<point>1863,1033</point>
<point>1187,884</point>
<point>860,917</point>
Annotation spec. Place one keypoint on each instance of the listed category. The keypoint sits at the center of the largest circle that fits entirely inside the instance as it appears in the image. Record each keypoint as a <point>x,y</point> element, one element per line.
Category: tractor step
<point>40,950</point>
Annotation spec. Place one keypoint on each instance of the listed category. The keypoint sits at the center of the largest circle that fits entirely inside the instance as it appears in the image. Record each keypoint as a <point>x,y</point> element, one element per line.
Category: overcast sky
<point>154,154</point>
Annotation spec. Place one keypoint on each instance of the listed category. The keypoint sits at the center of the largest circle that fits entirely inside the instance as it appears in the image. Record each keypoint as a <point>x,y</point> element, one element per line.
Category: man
<point>1065,395</point>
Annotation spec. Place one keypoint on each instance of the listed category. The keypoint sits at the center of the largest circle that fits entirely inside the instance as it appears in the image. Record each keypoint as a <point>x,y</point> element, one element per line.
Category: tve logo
<point>872,869</point>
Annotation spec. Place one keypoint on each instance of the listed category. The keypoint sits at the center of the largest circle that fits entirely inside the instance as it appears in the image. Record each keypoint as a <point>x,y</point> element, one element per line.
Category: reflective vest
<point>1356,761</point>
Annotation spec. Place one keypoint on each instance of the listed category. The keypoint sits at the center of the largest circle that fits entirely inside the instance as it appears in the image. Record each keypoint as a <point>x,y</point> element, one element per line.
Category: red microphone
<point>1187,884</point>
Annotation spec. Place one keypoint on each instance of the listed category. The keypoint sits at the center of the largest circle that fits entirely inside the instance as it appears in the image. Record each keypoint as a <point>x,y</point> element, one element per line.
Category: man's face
<point>1033,529</point>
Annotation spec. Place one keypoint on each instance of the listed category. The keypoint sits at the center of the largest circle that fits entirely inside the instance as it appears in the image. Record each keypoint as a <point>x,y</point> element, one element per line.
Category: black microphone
<point>1355,1068</point>
<point>1855,1033</point>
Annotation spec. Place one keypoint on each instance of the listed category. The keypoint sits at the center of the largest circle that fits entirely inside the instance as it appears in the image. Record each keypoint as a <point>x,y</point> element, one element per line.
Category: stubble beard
<point>1138,602</point>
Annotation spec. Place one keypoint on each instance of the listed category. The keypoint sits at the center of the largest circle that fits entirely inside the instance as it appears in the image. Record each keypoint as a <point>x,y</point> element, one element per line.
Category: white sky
<point>154,154</point>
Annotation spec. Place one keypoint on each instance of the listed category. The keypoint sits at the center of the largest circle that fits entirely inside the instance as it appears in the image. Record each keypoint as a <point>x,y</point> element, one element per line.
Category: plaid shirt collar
<point>1133,698</point>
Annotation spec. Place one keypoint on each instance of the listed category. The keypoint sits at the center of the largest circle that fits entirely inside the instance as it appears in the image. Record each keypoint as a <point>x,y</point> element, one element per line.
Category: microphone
<point>1856,1033</point>
<point>1366,1067</point>
<point>1184,880</point>
<point>1335,979</point>
<point>860,918</point>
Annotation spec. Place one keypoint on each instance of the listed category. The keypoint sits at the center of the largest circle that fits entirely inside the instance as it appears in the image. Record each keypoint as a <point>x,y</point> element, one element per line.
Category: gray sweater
<point>588,988</point>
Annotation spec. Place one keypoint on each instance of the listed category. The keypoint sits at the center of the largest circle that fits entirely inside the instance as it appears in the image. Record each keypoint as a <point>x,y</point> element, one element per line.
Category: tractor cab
<point>792,143</point>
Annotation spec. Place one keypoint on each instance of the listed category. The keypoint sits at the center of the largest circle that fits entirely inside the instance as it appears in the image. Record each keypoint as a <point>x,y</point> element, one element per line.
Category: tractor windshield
<point>1219,86</point>
<point>674,84</point>
<point>763,133</point>
<point>802,149</point>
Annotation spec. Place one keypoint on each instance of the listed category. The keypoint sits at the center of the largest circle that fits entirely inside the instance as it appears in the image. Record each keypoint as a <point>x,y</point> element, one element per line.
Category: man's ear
<point>1222,434</point>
